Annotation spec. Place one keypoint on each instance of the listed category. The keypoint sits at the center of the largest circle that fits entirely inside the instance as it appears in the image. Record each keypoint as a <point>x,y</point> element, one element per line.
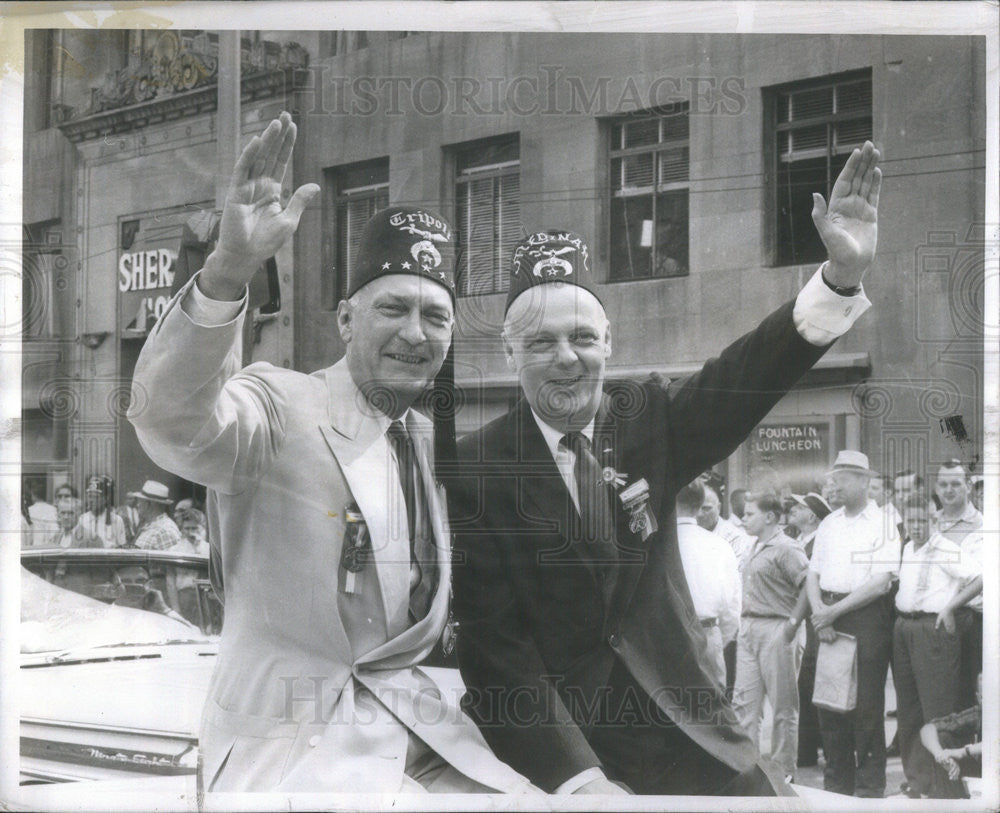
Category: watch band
<point>840,291</point>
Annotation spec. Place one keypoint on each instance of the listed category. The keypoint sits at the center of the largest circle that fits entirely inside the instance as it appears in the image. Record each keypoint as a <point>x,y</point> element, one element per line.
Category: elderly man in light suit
<point>324,511</point>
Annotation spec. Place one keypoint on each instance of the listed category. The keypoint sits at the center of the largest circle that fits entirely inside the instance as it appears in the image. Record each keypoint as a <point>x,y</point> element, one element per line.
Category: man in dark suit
<point>579,646</point>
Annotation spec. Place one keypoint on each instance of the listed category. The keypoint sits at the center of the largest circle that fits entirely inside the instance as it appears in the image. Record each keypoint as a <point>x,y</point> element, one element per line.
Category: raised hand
<point>848,225</point>
<point>254,224</point>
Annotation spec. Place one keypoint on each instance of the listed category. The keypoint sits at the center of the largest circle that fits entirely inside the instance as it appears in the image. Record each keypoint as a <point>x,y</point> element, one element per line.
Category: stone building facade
<point>686,161</point>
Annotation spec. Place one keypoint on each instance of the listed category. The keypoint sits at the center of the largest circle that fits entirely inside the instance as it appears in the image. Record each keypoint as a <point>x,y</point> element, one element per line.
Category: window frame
<point>334,281</point>
<point>462,176</point>
<point>616,186</point>
<point>771,95</point>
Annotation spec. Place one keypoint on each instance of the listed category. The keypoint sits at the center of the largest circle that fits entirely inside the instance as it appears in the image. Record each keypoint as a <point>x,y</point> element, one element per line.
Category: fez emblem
<point>426,254</point>
<point>551,264</point>
<point>545,251</point>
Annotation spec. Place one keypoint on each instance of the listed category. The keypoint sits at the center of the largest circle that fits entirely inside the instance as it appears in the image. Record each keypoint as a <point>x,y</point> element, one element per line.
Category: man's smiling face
<point>397,329</point>
<point>558,339</point>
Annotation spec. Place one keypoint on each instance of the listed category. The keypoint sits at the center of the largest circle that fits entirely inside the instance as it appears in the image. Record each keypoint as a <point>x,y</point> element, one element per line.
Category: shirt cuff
<point>574,783</point>
<point>820,315</point>
<point>207,312</point>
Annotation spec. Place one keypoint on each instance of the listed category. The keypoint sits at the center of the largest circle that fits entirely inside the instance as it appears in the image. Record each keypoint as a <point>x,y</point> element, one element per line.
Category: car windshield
<point>73,605</point>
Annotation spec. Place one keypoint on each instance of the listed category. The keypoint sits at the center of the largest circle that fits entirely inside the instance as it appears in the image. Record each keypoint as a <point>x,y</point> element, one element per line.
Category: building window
<point>487,212</point>
<point>358,192</point>
<point>649,158</point>
<point>814,127</point>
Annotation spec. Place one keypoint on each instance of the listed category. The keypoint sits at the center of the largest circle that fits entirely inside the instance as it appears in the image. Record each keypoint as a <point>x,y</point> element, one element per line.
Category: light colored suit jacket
<point>316,686</point>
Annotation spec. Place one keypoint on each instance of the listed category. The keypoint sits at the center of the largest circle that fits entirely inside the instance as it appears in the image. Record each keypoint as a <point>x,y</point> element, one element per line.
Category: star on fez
<point>385,266</point>
<point>406,264</point>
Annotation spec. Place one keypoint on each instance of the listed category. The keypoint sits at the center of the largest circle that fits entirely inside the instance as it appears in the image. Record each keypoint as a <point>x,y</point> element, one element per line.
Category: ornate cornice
<point>178,79</point>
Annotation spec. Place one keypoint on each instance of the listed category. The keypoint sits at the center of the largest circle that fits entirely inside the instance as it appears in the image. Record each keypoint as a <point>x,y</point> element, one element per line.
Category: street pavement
<point>812,777</point>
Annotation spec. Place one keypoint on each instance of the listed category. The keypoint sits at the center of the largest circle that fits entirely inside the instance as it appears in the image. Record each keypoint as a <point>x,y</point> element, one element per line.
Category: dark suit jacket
<point>541,630</point>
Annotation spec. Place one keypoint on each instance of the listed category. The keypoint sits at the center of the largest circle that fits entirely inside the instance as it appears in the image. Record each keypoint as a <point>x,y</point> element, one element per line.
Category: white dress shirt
<point>848,551</point>
<point>712,576</point>
<point>931,576</point>
<point>112,535</point>
<point>972,552</point>
<point>564,457</point>
<point>739,541</point>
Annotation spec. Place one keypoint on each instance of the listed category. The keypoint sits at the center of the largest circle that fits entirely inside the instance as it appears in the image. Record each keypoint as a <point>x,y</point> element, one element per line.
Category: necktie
<point>596,525</point>
<point>417,520</point>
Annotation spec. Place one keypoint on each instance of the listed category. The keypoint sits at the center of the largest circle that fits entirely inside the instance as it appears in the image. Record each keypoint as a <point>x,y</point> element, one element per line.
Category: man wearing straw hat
<point>323,508</point>
<point>854,560</point>
<point>157,531</point>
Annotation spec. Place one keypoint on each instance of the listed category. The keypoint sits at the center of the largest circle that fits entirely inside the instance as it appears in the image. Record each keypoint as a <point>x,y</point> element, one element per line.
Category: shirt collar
<point>553,436</point>
<point>349,414</point>
<point>774,540</point>
<point>934,541</point>
<point>868,512</point>
<point>686,521</point>
<point>969,515</point>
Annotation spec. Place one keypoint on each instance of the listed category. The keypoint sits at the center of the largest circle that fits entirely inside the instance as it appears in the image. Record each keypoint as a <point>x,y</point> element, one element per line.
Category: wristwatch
<point>840,290</point>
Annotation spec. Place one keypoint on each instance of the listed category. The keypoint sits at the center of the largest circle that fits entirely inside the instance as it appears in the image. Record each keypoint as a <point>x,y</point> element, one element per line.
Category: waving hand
<point>254,223</point>
<point>848,225</point>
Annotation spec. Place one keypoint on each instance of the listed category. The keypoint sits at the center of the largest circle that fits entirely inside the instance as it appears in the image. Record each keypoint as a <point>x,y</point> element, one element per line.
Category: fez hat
<point>405,240</point>
<point>849,460</point>
<point>814,502</point>
<point>101,484</point>
<point>551,256</point>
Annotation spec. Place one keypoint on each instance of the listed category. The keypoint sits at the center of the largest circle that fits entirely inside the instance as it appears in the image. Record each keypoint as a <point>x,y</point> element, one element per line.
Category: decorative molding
<point>178,78</point>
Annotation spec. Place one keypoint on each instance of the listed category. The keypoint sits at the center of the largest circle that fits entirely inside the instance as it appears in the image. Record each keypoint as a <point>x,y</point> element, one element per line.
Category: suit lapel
<point>631,454</point>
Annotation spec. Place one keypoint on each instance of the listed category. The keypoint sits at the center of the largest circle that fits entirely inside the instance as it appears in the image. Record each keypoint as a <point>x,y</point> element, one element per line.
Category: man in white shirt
<point>855,557</point>
<point>960,521</point>
<point>934,577</point>
<point>737,505</point>
<point>42,519</point>
<point>67,536</point>
<point>806,513</point>
<point>712,577</point>
<point>710,518</point>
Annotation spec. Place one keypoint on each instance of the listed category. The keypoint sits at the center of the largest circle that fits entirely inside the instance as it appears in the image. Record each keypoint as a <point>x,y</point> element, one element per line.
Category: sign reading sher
<point>147,256</point>
<point>148,271</point>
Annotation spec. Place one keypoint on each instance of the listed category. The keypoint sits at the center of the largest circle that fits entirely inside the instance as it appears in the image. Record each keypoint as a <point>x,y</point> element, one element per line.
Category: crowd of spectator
<point>878,561</point>
<point>147,518</point>
<point>873,557</point>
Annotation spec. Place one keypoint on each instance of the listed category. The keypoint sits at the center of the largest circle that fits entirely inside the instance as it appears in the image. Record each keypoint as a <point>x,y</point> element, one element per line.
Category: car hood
<point>136,688</point>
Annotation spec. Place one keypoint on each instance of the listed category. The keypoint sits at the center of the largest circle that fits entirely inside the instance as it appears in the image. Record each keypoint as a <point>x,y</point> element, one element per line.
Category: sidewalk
<point>813,777</point>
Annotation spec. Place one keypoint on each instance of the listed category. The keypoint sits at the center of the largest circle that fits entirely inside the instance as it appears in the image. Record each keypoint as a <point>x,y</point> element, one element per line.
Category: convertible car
<point>117,648</point>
